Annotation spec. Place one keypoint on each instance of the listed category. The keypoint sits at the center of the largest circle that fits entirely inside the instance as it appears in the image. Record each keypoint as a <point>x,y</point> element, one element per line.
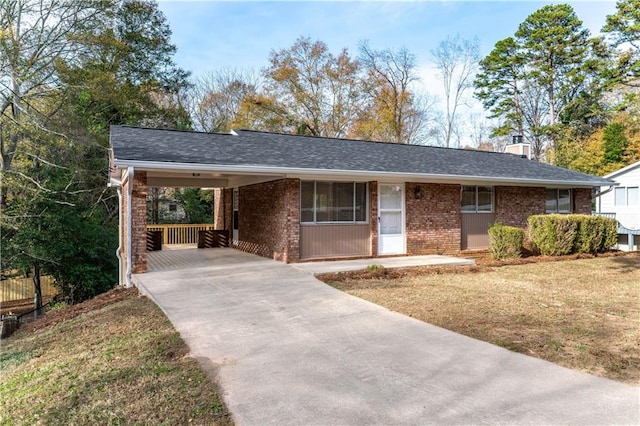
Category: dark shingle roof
<point>280,151</point>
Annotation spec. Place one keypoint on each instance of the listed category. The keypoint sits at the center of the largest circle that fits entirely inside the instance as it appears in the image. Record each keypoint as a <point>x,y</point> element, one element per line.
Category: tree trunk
<point>37,299</point>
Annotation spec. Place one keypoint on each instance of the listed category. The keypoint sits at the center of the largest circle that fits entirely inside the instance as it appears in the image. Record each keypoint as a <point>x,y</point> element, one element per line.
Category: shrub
<point>556,235</point>
<point>553,234</point>
<point>610,237</point>
<point>595,233</point>
<point>505,241</point>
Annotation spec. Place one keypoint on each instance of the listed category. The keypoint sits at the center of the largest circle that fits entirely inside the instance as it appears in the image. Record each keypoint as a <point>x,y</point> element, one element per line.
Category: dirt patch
<point>56,316</point>
<point>16,307</point>
<point>484,263</point>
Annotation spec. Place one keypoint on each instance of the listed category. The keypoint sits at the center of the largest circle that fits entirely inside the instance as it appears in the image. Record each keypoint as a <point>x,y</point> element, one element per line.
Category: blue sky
<point>212,35</point>
<point>240,34</point>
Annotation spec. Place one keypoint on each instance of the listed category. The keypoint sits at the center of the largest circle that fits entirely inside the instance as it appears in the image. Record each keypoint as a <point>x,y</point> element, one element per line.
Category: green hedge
<point>505,241</point>
<point>556,235</point>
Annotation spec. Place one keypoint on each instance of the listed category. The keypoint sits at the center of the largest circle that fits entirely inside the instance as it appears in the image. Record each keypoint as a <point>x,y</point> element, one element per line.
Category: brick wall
<point>269,218</point>
<point>433,222</point>
<point>292,230</point>
<point>513,204</point>
<point>582,200</point>
<point>218,209</point>
<point>139,223</point>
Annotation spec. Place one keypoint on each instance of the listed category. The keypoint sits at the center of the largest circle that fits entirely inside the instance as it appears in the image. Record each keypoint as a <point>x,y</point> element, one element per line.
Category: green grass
<point>121,364</point>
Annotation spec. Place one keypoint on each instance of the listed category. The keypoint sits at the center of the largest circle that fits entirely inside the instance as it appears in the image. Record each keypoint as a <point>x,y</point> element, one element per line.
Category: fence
<point>22,288</point>
<point>180,234</point>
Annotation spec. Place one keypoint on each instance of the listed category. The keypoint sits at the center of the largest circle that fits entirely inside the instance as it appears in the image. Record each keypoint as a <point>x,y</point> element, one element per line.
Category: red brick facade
<point>269,219</point>
<point>218,209</point>
<point>138,222</point>
<point>269,216</point>
<point>433,219</point>
<point>582,200</point>
<point>514,204</point>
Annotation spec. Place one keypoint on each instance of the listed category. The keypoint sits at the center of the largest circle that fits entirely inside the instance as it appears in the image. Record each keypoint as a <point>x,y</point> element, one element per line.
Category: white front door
<point>391,219</point>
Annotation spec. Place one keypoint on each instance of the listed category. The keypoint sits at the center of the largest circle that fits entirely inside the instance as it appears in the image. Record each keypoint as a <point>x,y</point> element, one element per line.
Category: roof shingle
<point>262,149</point>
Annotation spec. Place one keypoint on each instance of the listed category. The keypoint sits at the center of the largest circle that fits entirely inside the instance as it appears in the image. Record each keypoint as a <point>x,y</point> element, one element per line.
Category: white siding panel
<point>628,216</point>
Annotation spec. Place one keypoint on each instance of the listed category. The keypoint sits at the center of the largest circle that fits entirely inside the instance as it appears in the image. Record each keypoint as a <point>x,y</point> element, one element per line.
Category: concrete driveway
<point>290,350</point>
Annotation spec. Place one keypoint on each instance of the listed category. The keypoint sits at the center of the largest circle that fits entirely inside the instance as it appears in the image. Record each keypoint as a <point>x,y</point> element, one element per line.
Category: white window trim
<point>476,211</point>
<point>335,222</point>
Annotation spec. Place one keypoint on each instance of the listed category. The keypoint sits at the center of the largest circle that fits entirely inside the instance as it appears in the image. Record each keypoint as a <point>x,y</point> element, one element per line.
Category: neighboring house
<point>299,198</point>
<point>623,201</point>
<point>163,207</point>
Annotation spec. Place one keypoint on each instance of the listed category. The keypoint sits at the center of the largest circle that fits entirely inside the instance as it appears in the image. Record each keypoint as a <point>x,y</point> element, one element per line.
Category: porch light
<point>417,193</point>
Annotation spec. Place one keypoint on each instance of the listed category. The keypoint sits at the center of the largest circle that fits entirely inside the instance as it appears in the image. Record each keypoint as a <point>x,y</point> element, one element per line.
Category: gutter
<point>360,174</point>
<point>129,224</point>
<point>599,194</point>
<point>113,182</point>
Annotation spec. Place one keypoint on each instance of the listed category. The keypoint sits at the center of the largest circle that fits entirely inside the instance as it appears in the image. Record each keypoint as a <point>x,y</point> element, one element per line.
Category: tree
<point>395,113</point>
<point>609,148</point>
<point>557,47</point>
<point>548,77</point>
<point>197,204</point>
<point>498,85</point>
<point>69,69</point>
<point>124,71</point>
<point>623,28</point>
<point>34,36</point>
<point>54,224</point>
<point>614,142</point>
<point>314,89</point>
<point>217,98</point>
<point>457,61</point>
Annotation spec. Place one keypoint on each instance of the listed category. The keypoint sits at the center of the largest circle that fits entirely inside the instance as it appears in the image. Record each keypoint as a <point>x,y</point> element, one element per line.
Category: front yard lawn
<point>582,314</point>
<point>115,359</point>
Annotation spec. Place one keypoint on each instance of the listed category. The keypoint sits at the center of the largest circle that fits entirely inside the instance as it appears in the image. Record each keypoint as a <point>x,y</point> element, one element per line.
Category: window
<point>558,201</point>
<point>626,196</point>
<point>477,199</point>
<point>633,195</point>
<point>620,196</point>
<point>235,200</point>
<point>173,207</point>
<point>333,202</point>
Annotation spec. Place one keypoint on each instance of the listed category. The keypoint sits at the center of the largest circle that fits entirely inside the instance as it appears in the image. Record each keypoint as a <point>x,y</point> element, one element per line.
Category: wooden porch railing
<point>180,233</point>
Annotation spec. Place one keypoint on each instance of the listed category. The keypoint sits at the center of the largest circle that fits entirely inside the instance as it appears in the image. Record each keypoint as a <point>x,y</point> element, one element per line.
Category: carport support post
<point>138,222</point>
<point>218,209</point>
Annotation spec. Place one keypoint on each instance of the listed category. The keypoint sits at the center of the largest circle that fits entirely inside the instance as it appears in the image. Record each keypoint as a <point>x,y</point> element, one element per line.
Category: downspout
<point>129,224</point>
<point>118,184</point>
<point>119,249</point>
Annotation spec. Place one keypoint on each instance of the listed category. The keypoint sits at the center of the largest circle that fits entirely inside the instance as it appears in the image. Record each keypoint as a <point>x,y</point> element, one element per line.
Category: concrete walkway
<point>290,350</point>
<point>387,262</point>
